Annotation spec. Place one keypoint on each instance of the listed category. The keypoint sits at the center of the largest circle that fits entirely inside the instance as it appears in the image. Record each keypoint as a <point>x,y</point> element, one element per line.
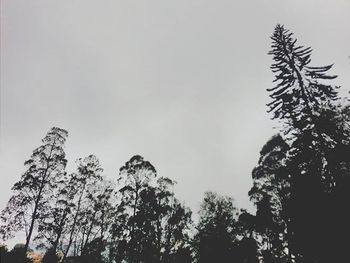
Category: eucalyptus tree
<point>216,231</point>
<point>165,223</point>
<point>97,215</point>
<point>174,224</point>
<point>134,177</point>
<point>88,174</point>
<point>270,193</point>
<point>55,219</point>
<point>31,192</point>
<point>151,225</point>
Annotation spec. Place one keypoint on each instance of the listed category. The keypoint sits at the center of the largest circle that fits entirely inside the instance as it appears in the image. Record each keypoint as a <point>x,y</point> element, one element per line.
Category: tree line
<point>300,189</point>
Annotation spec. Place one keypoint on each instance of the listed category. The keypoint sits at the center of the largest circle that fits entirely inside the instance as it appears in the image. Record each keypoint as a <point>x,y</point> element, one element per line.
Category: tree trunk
<point>74,223</point>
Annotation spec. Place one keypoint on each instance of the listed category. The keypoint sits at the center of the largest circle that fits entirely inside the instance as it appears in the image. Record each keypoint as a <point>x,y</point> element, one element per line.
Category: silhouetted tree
<point>54,220</point>
<point>216,237</point>
<point>165,222</point>
<point>97,216</point>
<point>246,248</point>
<point>316,133</point>
<point>117,243</point>
<point>135,177</point>
<point>270,193</point>
<point>151,225</point>
<point>46,162</point>
<point>88,174</point>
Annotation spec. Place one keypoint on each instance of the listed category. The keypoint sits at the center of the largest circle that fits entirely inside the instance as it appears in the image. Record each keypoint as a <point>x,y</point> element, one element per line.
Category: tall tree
<point>157,224</point>
<point>308,105</point>
<point>46,162</point>
<point>97,214</point>
<point>216,237</point>
<point>304,100</point>
<point>53,220</point>
<point>164,221</point>
<point>88,174</point>
<point>173,224</point>
<point>135,177</point>
<point>270,194</point>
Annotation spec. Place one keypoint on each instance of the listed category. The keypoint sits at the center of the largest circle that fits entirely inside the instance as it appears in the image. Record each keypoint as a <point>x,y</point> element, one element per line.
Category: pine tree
<point>299,92</point>
<point>317,134</point>
<point>306,103</point>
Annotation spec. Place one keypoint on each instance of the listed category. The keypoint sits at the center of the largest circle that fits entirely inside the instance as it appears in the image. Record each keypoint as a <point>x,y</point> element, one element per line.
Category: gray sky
<point>181,83</point>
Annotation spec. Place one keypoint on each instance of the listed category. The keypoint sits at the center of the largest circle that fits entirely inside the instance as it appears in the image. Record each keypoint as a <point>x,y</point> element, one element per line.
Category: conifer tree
<point>304,100</point>
<point>314,127</point>
<point>299,92</point>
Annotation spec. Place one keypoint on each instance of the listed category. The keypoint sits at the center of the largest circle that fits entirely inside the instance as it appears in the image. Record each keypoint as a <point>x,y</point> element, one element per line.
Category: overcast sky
<point>180,82</point>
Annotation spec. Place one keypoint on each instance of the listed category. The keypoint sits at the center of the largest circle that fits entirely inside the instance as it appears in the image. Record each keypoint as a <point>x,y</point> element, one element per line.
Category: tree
<point>135,177</point>
<point>216,237</point>
<point>165,223</point>
<point>299,90</point>
<point>316,133</point>
<point>54,219</point>
<point>88,174</point>
<point>151,225</point>
<point>305,103</point>
<point>247,247</point>
<point>117,243</point>
<point>97,216</point>
<point>176,233</point>
<point>270,194</point>
<point>46,162</point>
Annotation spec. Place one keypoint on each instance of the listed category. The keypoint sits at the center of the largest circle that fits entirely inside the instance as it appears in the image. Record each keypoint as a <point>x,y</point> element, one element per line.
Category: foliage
<point>220,237</point>
<point>301,176</point>
<point>32,192</point>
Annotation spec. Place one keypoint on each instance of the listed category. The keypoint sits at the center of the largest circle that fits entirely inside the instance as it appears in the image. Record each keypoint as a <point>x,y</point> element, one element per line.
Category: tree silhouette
<point>54,219</point>
<point>270,193</point>
<point>46,162</point>
<point>135,177</point>
<point>316,134</point>
<point>156,225</point>
<point>88,174</point>
<point>216,229</point>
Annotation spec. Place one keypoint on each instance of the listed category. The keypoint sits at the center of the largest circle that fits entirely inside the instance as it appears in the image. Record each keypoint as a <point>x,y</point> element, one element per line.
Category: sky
<point>182,83</point>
